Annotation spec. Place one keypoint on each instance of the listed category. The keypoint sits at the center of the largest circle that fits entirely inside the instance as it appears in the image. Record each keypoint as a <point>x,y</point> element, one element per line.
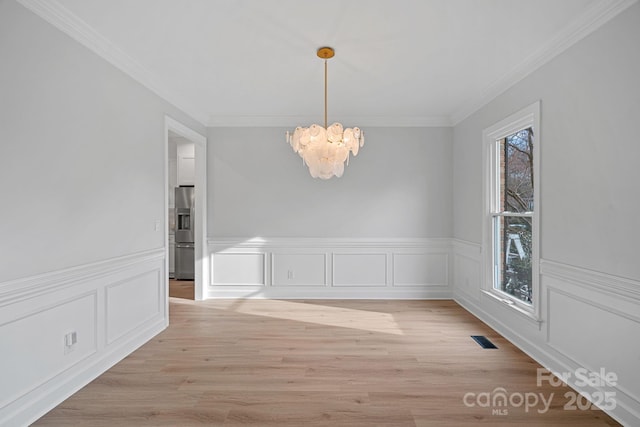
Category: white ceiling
<point>398,62</point>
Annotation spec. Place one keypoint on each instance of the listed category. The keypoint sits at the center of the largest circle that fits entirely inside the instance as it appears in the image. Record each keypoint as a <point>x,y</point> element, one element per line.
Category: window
<point>511,206</point>
<point>513,214</point>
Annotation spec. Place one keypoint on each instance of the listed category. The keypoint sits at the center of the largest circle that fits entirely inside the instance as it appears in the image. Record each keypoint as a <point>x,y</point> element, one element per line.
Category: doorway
<point>186,263</point>
<point>181,216</point>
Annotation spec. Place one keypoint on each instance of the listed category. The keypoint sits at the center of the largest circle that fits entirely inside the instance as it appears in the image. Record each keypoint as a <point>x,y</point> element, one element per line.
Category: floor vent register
<point>483,341</point>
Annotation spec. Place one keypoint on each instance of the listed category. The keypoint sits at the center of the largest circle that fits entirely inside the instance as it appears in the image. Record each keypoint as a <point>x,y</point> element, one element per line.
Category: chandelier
<point>326,149</point>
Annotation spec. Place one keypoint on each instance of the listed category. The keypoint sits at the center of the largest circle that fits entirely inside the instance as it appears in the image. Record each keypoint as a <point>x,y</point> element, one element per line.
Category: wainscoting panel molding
<point>592,317</point>
<point>299,269</point>
<point>419,269</point>
<point>467,271</point>
<point>359,269</point>
<point>45,329</point>
<point>133,302</point>
<point>329,268</point>
<point>239,269</point>
<point>62,329</point>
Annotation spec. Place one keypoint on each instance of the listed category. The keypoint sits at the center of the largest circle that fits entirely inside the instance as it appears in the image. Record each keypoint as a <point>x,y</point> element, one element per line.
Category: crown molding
<point>596,16</point>
<point>350,121</point>
<point>61,18</point>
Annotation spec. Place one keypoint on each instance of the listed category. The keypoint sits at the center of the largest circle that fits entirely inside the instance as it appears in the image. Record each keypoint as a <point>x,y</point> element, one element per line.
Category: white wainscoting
<point>113,306</point>
<point>310,269</point>
<point>369,270</point>
<point>589,320</point>
<point>467,271</point>
<point>593,322</point>
<point>329,268</point>
<point>239,269</point>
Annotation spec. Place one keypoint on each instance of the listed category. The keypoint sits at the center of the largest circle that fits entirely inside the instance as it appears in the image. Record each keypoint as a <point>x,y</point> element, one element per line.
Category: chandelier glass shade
<point>325,150</point>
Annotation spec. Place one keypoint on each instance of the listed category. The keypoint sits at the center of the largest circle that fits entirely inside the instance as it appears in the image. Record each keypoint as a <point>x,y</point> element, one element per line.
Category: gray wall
<point>589,151</point>
<point>81,158</point>
<point>399,185</point>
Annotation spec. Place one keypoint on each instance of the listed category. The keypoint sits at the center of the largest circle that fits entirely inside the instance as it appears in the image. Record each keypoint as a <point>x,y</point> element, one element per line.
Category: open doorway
<point>181,214</point>
<point>185,202</point>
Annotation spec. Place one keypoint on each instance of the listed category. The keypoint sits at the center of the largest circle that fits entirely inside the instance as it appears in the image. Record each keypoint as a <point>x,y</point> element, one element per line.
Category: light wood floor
<point>316,363</point>
<point>184,289</point>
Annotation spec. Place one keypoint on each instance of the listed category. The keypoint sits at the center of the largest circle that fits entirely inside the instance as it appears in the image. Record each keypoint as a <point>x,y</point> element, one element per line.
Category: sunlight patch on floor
<point>319,314</point>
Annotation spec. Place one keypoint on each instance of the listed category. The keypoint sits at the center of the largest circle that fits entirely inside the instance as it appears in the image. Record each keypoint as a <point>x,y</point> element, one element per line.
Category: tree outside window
<point>514,215</point>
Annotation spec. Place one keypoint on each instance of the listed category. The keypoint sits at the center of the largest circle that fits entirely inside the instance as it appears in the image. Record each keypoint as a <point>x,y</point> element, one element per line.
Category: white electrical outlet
<point>70,341</point>
<point>156,225</point>
<point>290,274</point>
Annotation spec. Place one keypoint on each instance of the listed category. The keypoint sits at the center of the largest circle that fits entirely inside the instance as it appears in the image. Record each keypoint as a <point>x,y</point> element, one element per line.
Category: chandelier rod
<point>325,53</point>
<point>325,94</point>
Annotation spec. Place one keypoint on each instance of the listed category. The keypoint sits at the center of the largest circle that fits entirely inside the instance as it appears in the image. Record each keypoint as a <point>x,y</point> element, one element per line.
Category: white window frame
<point>523,119</point>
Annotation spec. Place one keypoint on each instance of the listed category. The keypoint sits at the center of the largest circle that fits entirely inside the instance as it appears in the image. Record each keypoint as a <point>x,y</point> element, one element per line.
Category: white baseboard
<point>363,292</point>
<point>113,307</point>
<point>329,268</point>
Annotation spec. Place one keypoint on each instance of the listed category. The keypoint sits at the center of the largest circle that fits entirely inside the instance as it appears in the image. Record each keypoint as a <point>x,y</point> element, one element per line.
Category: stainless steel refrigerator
<point>185,221</point>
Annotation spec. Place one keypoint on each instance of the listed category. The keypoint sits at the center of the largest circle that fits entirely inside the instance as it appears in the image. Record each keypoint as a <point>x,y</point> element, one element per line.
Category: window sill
<point>529,315</point>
